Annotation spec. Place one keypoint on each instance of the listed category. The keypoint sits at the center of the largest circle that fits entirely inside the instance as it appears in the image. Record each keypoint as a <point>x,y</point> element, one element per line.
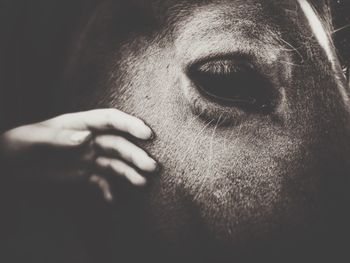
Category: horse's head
<point>249,106</point>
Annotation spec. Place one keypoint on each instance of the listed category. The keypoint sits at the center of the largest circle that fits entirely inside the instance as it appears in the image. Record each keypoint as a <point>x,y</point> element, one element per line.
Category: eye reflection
<point>233,82</point>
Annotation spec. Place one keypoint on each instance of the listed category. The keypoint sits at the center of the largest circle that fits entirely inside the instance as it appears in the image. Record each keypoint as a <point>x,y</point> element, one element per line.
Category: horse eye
<point>233,82</point>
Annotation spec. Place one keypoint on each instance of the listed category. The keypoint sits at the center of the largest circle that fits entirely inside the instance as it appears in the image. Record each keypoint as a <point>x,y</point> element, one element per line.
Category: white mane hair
<point>320,22</point>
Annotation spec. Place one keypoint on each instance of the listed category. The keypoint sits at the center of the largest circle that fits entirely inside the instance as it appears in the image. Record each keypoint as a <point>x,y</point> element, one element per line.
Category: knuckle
<point>56,134</point>
<point>119,145</point>
<point>94,179</point>
<point>100,141</point>
<point>110,120</point>
<point>124,148</point>
<point>133,158</point>
<point>121,168</point>
<point>125,172</point>
<point>103,162</point>
<point>118,141</point>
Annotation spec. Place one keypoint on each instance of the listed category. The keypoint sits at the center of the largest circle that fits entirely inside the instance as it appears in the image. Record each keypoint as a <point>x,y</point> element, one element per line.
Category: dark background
<point>34,38</point>
<point>35,35</point>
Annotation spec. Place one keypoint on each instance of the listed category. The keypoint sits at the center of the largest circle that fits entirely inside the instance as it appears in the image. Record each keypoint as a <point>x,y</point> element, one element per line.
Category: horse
<point>251,113</point>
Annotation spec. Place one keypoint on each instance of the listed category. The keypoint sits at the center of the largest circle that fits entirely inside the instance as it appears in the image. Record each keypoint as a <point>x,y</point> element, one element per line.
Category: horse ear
<point>340,10</point>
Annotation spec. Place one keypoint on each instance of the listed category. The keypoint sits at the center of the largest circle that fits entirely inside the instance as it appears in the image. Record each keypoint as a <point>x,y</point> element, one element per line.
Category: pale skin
<point>90,145</point>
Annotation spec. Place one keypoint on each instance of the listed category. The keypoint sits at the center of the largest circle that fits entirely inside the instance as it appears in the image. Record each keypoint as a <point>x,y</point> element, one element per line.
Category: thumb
<point>30,136</point>
<point>67,138</point>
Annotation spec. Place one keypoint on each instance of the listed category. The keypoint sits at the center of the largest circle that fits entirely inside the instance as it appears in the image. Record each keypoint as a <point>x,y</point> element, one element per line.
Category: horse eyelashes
<point>233,83</point>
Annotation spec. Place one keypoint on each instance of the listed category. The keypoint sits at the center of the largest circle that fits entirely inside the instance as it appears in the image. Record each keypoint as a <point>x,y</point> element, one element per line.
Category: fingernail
<point>152,135</point>
<point>79,137</point>
<point>148,132</point>
<point>147,164</point>
<point>155,166</point>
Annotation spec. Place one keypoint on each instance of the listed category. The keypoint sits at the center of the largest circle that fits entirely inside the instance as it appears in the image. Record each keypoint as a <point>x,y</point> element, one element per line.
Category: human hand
<point>86,144</point>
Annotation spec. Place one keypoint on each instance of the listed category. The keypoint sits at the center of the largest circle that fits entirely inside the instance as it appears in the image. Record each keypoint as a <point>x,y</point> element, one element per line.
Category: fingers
<point>110,147</point>
<point>103,185</point>
<point>104,120</point>
<point>120,168</point>
<point>118,146</point>
<point>75,130</point>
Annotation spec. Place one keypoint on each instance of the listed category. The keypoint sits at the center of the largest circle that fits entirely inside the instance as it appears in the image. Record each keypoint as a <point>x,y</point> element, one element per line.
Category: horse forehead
<point>266,12</point>
<point>170,12</point>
